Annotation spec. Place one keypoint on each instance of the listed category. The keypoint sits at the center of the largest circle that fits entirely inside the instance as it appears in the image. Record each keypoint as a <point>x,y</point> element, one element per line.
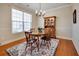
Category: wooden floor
<point>65,48</point>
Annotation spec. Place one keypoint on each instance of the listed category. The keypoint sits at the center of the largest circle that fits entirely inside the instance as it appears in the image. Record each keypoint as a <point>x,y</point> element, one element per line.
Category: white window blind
<point>27,22</point>
<point>21,21</point>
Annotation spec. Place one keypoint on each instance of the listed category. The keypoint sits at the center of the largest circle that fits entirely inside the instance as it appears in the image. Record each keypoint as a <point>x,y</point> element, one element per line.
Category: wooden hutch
<point>50,22</point>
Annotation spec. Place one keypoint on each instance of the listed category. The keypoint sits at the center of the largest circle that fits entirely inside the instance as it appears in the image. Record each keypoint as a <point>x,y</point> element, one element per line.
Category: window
<point>21,21</point>
<point>27,21</point>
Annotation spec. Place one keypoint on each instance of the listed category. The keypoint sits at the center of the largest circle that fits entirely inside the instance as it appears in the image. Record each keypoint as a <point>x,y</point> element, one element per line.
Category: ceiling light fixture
<point>40,12</point>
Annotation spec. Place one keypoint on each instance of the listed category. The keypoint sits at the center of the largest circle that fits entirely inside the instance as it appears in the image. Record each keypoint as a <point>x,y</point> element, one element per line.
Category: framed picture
<point>74,17</point>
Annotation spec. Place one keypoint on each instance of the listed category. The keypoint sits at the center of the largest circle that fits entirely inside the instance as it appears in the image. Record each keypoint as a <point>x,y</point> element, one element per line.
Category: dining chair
<point>46,38</point>
<point>30,41</point>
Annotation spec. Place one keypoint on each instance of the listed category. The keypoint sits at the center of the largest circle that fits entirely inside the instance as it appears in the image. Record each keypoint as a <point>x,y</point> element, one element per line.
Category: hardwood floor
<point>4,47</point>
<point>65,48</point>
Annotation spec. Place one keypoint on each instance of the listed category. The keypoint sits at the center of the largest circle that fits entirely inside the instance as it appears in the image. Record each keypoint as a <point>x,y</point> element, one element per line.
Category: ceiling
<point>44,6</point>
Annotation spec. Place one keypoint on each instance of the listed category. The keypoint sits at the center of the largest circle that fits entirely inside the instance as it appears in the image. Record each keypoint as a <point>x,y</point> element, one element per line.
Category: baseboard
<point>8,41</point>
<point>75,45</point>
<point>62,37</point>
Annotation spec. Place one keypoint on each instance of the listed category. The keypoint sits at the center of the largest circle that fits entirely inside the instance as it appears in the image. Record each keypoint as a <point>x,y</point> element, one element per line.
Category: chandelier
<point>40,12</point>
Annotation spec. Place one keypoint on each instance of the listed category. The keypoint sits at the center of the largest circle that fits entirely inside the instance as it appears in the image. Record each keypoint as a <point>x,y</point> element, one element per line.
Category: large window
<point>21,21</point>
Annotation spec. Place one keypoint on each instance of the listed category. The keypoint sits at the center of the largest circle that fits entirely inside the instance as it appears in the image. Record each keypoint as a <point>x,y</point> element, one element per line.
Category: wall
<point>76,28</point>
<point>5,23</point>
<point>63,21</point>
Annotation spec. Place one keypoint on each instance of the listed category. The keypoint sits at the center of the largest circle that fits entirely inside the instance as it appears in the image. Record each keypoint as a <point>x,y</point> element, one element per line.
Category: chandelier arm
<point>40,12</point>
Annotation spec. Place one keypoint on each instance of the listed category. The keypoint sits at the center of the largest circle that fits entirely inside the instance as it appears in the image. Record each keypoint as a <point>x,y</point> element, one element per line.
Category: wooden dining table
<point>37,34</point>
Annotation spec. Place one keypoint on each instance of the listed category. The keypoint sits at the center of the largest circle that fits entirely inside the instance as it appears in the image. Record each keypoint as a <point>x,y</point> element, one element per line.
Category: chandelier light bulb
<point>40,11</point>
<point>36,11</point>
<point>44,12</point>
<point>39,14</point>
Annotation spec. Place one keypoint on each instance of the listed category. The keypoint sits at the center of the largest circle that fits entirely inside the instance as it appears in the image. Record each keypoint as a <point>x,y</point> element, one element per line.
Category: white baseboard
<point>76,46</point>
<point>8,41</point>
<point>68,38</point>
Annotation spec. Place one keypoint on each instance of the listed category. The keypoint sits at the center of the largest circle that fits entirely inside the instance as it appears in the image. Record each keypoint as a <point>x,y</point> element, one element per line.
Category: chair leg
<point>37,45</point>
<point>31,48</point>
<point>42,42</point>
<point>48,44</point>
<point>25,50</point>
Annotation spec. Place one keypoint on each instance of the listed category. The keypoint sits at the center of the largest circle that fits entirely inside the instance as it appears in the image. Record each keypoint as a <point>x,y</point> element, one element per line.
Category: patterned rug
<point>19,50</point>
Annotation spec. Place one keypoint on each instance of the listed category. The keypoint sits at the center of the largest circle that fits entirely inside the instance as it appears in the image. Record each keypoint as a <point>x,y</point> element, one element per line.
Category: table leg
<point>38,43</point>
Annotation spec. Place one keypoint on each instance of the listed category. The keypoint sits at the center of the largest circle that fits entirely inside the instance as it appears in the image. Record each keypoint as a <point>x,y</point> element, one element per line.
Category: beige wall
<point>5,23</point>
<point>63,21</point>
<point>76,28</point>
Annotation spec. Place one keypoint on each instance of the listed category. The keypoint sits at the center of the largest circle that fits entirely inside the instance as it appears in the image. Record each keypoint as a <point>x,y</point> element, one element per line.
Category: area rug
<point>19,50</point>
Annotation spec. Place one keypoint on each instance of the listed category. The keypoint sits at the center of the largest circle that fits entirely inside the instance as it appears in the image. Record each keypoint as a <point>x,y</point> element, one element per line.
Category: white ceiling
<point>44,6</point>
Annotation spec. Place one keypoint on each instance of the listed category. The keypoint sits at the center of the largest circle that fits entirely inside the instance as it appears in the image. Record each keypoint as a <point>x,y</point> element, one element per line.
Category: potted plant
<point>40,30</point>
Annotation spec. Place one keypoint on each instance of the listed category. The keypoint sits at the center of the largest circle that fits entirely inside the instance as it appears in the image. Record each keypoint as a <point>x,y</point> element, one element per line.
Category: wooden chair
<point>47,37</point>
<point>30,40</point>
